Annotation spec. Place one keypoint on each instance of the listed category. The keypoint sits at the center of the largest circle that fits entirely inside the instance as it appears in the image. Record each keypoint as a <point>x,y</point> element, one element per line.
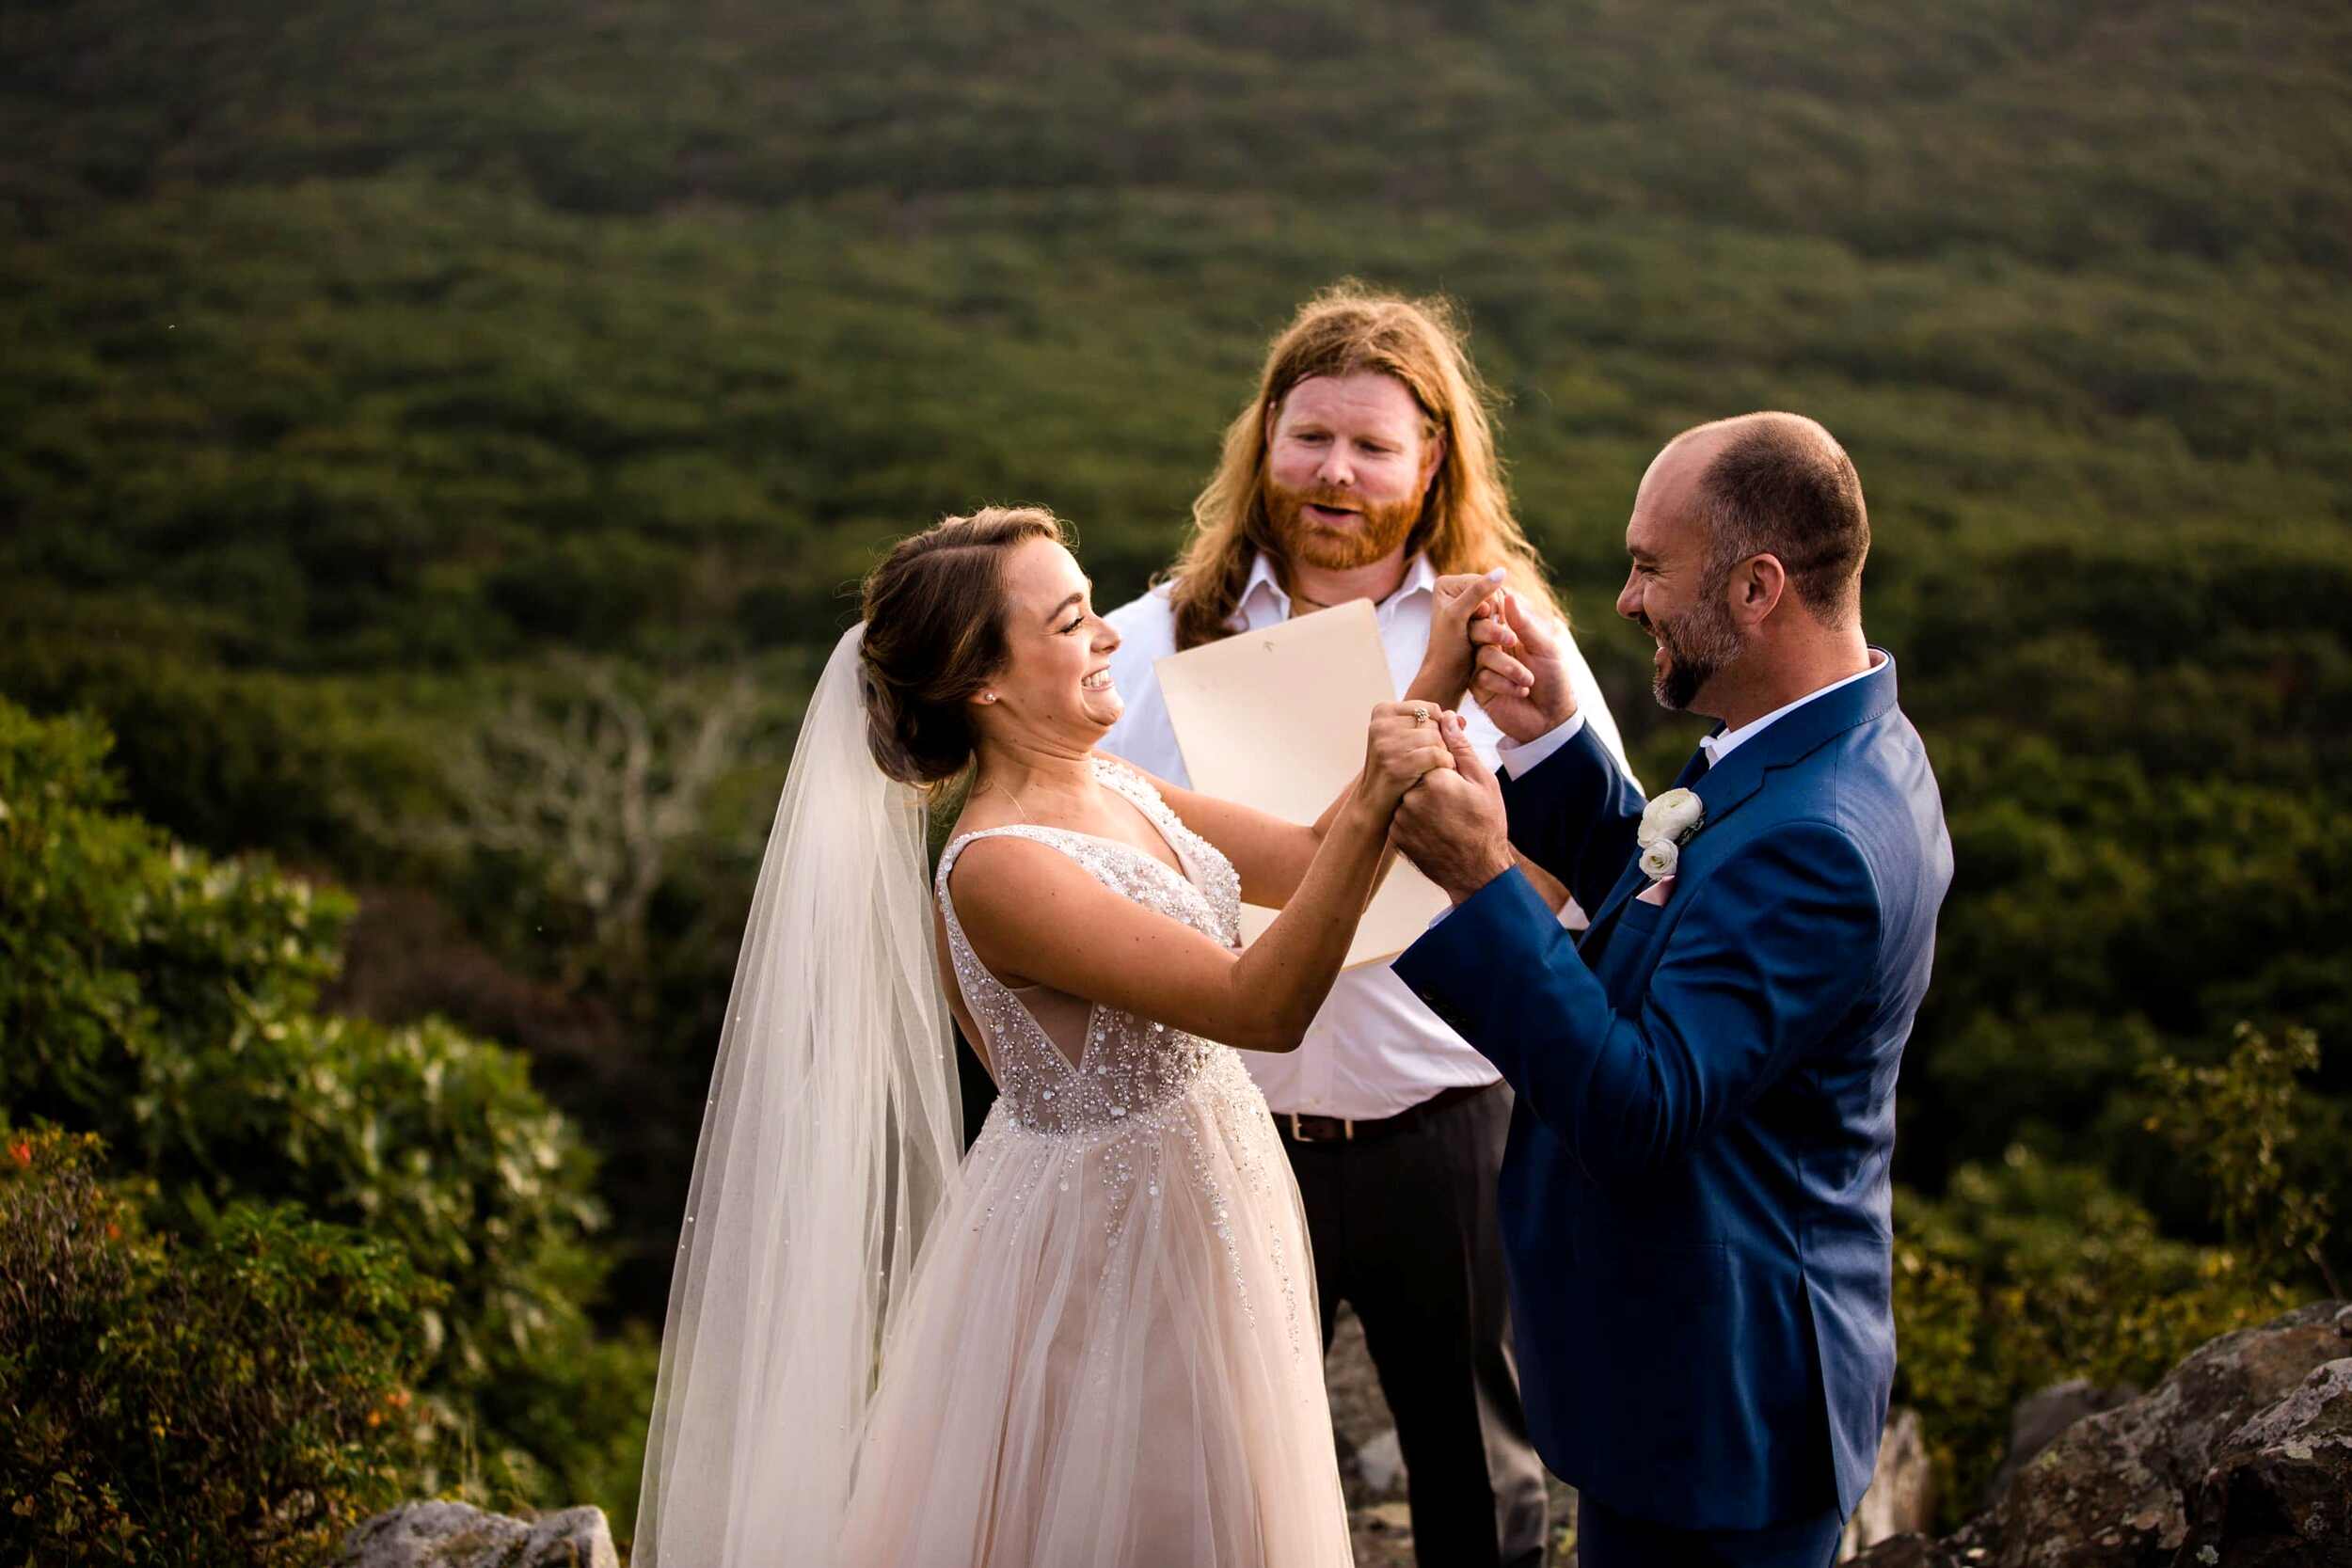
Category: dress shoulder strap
<point>1126,778</point>
<point>1057,838</point>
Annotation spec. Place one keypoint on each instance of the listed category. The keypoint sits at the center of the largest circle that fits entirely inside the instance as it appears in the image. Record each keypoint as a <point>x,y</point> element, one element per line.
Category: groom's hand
<point>1522,679</point>
<point>1451,823</point>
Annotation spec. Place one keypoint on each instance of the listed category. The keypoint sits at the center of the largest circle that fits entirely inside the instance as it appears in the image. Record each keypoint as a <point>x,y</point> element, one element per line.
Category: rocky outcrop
<point>453,1535</point>
<point>2041,1416</point>
<point>2279,1490</point>
<point>1901,1496</point>
<point>2242,1456</point>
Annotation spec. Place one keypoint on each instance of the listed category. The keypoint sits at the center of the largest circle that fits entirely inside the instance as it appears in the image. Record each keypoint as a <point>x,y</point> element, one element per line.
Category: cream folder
<point>1276,719</point>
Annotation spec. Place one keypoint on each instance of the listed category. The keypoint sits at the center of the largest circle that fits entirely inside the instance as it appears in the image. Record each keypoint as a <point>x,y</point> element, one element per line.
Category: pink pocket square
<point>1656,892</point>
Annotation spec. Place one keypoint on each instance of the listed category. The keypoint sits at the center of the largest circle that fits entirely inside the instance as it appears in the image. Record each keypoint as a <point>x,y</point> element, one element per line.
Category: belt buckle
<point>1298,1131</point>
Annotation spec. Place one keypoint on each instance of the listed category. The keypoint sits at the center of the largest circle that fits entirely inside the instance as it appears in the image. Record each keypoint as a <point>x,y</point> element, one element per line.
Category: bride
<point>1095,1342</point>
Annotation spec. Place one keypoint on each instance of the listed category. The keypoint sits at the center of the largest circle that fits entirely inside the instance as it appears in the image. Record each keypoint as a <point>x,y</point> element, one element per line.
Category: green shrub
<point>2236,1123</point>
<point>168,1003</point>
<point>2024,1273</point>
<point>242,1397</point>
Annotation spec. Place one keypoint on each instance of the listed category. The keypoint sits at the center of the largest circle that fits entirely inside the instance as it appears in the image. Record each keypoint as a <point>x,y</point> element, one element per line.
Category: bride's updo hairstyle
<point>935,635</point>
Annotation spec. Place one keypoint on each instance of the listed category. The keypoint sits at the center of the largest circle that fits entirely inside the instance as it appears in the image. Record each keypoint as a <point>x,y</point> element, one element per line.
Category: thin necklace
<point>1010,795</point>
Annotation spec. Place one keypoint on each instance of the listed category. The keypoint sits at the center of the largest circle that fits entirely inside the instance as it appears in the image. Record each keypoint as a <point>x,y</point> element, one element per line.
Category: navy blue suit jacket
<point>1694,1198</point>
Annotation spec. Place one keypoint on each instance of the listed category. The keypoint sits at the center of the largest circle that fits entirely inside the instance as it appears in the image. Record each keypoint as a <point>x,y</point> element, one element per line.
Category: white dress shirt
<point>1374,1050</point>
<point>1718,747</point>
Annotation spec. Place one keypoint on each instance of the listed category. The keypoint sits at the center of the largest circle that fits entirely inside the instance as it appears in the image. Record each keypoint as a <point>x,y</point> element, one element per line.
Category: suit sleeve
<point>1574,814</point>
<point>1773,951</point>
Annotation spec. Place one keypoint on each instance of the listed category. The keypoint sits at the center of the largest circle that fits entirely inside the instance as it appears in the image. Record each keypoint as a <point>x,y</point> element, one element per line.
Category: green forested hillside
<point>378,378</point>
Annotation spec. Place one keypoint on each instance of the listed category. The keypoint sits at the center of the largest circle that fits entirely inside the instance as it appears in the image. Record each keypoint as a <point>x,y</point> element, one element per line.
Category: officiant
<point>1365,468</point>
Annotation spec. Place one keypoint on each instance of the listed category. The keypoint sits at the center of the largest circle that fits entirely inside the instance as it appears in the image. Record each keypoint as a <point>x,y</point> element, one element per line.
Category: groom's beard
<point>1698,645</point>
<point>1377,532</point>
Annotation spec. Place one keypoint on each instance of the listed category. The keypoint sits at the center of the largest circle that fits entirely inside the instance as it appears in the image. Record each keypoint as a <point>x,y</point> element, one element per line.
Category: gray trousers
<point>1404,1231</point>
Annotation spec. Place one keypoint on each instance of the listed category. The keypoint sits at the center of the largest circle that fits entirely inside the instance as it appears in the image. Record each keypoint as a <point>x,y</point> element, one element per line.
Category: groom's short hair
<point>1781,485</point>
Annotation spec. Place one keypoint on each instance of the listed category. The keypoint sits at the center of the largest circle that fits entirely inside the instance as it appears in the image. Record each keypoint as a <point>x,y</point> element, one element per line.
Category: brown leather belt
<point>1300,1129</point>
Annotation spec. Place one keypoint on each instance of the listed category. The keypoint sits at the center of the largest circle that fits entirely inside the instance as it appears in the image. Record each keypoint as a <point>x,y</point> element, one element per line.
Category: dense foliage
<point>169,1004</point>
<point>2026,1272</point>
<point>234,1397</point>
<point>371,374</point>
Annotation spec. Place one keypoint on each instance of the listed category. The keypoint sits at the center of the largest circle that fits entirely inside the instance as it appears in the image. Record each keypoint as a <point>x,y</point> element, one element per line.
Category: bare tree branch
<point>593,784</point>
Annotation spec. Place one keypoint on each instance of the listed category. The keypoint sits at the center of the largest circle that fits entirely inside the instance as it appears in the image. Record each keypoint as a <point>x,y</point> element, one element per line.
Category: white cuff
<point>1518,758</point>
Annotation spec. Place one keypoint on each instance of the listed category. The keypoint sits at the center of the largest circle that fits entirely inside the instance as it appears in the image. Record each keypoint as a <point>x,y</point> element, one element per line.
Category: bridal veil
<point>831,1130</point>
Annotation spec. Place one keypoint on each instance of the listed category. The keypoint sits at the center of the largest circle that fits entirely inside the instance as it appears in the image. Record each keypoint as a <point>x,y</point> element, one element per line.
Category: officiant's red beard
<point>1374,532</point>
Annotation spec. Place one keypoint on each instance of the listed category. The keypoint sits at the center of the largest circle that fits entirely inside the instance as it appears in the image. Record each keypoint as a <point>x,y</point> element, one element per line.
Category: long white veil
<point>833,1128</point>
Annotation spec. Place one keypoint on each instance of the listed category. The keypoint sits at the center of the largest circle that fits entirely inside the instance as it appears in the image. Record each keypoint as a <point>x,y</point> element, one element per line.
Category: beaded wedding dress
<point>1093,1344</point>
<point>1110,1355</point>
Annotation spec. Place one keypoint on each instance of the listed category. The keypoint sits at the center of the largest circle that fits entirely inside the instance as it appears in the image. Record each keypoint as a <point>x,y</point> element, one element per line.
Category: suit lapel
<point>1788,739</point>
<point>1695,769</point>
<point>1629,880</point>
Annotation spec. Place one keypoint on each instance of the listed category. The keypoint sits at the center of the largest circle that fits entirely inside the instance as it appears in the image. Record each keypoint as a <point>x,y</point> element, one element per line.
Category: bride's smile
<point>1056,685</point>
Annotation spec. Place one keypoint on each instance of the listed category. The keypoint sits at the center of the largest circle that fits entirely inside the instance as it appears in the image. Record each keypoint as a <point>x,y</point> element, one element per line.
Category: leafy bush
<point>168,1002</point>
<point>2024,1273</point>
<point>2236,1123</point>
<point>237,1397</point>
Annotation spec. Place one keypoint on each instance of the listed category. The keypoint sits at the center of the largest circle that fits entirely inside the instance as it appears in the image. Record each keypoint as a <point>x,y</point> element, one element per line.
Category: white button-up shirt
<point>1374,1050</point>
<point>1718,747</point>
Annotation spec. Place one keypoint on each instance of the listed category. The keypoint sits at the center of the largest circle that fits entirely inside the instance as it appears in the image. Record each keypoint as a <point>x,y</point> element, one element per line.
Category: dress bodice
<point>1107,1352</point>
<point>1124,1066</point>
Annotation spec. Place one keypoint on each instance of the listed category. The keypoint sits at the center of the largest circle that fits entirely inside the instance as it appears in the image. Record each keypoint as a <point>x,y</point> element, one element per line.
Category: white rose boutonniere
<point>1668,823</point>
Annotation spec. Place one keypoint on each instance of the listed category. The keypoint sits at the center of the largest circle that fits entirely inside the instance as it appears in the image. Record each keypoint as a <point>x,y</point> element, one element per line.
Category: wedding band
<point>1421,714</point>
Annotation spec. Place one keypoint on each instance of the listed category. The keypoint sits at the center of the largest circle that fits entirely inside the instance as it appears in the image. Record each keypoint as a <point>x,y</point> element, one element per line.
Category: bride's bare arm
<point>1033,914</point>
<point>1271,853</point>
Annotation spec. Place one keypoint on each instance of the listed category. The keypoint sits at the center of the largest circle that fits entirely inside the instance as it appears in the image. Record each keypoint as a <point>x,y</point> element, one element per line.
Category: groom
<point>1694,1198</point>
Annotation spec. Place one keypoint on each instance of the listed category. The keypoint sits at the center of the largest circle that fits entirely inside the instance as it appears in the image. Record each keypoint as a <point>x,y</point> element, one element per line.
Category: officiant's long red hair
<point>1466,525</point>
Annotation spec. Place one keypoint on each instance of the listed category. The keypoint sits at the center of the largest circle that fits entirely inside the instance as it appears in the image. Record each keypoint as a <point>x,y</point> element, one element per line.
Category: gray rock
<point>2039,1417</point>
<point>1381,1464</point>
<point>2240,1457</point>
<point>1901,1496</point>
<point>454,1535</point>
<point>1914,1551</point>
<point>2279,1491</point>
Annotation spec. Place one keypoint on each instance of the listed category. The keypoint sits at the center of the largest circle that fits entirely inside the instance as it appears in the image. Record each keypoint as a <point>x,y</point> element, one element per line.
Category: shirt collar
<point>1718,747</point>
<point>1419,577</point>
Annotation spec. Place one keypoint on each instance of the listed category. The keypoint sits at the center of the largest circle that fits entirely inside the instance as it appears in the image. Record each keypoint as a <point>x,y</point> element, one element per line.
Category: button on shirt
<point>1375,1049</point>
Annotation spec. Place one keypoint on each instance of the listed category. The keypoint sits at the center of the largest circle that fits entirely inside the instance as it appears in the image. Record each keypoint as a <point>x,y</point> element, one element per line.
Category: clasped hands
<point>1450,819</point>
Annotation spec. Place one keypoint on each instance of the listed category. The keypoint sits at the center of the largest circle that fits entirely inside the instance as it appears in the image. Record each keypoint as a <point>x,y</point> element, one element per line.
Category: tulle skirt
<point>1109,1356</point>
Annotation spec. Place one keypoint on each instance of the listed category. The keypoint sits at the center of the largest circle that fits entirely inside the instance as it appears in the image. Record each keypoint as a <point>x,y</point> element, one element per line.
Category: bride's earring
<point>988,696</point>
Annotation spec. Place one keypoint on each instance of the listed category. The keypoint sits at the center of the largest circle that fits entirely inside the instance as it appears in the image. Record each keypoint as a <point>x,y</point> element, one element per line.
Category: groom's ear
<point>1757,586</point>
